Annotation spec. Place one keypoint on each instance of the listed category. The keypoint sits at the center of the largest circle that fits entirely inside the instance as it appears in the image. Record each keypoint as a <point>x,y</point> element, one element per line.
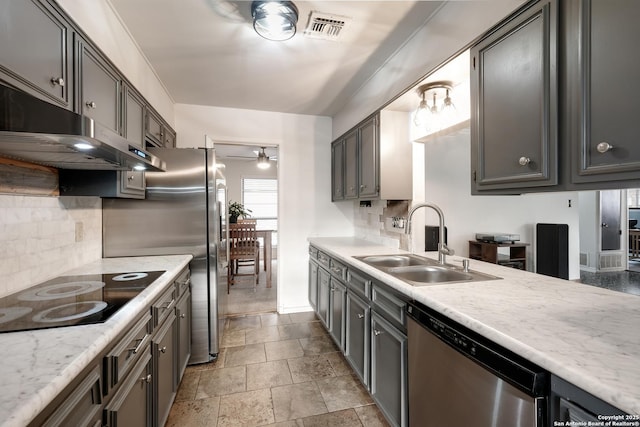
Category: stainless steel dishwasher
<point>459,378</point>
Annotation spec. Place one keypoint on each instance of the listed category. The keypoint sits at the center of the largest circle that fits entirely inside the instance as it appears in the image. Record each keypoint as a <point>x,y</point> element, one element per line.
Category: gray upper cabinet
<point>514,102</point>
<point>351,165</point>
<point>376,159</point>
<point>35,50</point>
<point>99,87</point>
<point>602,103</point>
<point>154,129</point>
<point>368,159</point>
<point>337,170</point>
<point>133,116</point>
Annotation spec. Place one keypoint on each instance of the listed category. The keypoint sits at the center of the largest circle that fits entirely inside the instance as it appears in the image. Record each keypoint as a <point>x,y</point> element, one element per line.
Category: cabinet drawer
<point>313,252</point>
<point>182,283</point>
<point>82,407</point>
<point>338,269</point>
<point>388,305</point>
<point>163,306</point>
<point>324,259</point>
<point>359,284</point>
<point>131,405</point>
<point>120,360</point>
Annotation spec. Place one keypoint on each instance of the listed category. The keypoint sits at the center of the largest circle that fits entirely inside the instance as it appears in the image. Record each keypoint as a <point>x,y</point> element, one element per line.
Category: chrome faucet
<point>443,249</point>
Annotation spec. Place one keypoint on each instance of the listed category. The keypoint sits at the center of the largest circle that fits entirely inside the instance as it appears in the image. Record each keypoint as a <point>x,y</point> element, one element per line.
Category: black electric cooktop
<point>72,300</point>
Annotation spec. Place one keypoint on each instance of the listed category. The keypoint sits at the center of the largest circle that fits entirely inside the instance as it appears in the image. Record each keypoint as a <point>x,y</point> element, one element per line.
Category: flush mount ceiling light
<point>274,20</point>
<point>263,159</point>
<point>428,116</point>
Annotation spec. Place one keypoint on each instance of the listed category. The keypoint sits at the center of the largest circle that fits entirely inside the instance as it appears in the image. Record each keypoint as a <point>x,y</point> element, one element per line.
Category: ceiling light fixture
<point>263,159</point>
<point>274,20</point>
<point>434,117</point>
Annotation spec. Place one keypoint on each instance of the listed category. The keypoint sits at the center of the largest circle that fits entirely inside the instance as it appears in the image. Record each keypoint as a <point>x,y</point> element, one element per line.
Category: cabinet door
<point>183,315</point>
<point>133,116</point>
<point>34,53</point>
<point>357,337</point>
<point>324,290</point>
<point>337,312</point>
<point>131,183</point>
<point>337,170</point>
<point>169,138</point>
<point>369,162</point>
<point>351,166</point>
<point>154,129</point>
<point>131,405</point>
<point>99,88</point>
<point>313,285</point>
<point>514,103</point>
<point>389,370</point>
<point>603,83</point>
<point>164,370</point>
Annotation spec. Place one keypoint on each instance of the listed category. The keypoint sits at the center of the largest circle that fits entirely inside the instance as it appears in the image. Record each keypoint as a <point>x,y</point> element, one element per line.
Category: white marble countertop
<point>587,335</point>
<point>38,365</point>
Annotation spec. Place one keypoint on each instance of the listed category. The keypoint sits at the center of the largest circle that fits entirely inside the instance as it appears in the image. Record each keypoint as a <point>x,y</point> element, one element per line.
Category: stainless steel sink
<point>419,271</point>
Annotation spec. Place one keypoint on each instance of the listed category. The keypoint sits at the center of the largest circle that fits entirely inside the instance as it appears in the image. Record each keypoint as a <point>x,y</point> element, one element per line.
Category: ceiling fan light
<point>263,160</point>
<point>274,20</point>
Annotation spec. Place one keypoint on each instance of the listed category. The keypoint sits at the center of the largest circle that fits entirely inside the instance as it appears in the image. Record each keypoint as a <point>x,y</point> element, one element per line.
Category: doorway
<point>251,174</point>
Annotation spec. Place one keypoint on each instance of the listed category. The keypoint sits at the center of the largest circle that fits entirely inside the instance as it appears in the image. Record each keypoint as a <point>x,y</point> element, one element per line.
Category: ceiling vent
<point>325,26</point>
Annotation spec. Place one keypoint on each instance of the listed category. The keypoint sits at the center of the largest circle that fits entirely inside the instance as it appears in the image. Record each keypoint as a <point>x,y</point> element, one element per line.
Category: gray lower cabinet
<point>389,370</point>
<point>99,87</point>
<point>337,303</point>
<point>183,339</point>
<point>324,291</point>
<point>357,336</point>
<point>44,67</point>
<point>601,77</point>
<point>132,403</point>
<point>313,285</point>
<point>164,369</point>
<point>514,87</point>
<point>83,406</point>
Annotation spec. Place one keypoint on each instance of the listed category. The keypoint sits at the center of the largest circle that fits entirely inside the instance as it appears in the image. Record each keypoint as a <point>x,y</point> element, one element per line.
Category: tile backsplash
<point>43,237</point>
<point>373,222</point>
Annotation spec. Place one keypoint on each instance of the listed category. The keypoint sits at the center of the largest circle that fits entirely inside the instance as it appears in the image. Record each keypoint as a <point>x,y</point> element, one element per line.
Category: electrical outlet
<point>79,231</point>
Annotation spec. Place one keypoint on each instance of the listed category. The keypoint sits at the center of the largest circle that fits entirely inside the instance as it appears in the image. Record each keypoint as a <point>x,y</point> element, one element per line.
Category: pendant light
<point>274,20</point>
<point>263,159</point>
<point>432,118</point>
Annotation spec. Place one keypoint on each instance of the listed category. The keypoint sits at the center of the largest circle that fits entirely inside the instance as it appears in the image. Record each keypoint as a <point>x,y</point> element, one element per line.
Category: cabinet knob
<point>146,379</point>
<point>362,186</point>
<point>130,177</point>
<point>163,349</point>
<point>603,147</point>
<point>182,316</point>
<point>59,81</point>
<point>377,332</point>
<point>91,105</point>
<point>333,289</point>
<point>524,161</point>
<point>360,316</point>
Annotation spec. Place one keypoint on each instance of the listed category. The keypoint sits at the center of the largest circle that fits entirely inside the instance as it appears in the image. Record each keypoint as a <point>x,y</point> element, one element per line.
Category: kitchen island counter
<point>584,334</point>
<point>37,365</point>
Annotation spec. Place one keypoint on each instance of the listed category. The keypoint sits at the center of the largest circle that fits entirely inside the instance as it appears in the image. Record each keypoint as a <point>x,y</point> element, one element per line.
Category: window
<point>260,195</point>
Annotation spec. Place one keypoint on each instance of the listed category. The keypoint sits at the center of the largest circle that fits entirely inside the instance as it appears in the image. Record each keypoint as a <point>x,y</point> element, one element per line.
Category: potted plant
<point>237,210</point>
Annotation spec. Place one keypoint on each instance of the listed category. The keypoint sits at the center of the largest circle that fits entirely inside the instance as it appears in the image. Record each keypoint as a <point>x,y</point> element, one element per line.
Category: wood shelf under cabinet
<point>488,252</point>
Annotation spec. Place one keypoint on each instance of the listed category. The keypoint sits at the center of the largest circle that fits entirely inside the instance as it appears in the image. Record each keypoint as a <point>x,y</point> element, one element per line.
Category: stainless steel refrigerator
<point>184,213</point>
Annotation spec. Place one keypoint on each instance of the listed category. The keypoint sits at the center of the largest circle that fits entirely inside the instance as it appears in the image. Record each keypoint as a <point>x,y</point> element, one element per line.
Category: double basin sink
<point>420,271</point>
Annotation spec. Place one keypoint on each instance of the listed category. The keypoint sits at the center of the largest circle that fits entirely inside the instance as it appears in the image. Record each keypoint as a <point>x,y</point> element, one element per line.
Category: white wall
<point>98,19</point>
<point>235,170</point>
<point>447,161</point>
<point>304,179</point>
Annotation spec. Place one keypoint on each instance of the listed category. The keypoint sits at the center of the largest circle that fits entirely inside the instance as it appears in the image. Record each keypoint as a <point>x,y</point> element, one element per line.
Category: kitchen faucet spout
<point>443,249</point>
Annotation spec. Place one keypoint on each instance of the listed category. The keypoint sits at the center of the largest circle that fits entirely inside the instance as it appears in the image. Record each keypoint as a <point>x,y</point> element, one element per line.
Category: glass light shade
<point>274,20</point>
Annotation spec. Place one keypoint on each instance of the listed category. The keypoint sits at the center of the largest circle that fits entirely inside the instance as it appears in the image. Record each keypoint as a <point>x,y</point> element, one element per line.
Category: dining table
<point>267,252</point>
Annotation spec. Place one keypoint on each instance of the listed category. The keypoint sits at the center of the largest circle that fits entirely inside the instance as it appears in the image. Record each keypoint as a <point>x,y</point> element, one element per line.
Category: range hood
<point>35,131</point>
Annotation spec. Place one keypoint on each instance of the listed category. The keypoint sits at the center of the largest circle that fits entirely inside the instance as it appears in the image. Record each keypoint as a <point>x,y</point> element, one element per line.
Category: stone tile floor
<point>274,370</point>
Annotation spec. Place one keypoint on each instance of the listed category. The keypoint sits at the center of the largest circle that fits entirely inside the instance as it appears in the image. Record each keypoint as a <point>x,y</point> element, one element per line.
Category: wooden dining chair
<point>243,248</point>
<point>242,263</point>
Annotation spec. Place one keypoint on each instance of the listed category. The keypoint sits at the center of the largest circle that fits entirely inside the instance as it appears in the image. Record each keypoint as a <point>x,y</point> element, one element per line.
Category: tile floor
<point>274,370</point>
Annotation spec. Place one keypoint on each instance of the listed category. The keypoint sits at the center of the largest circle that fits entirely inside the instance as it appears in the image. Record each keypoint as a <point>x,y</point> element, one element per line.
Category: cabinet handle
<point>360,316</point>
<point>146,379</point>
<point>168,304</point>
<point>603,147</point>
<point>136,349</point>
<point>57,81</point>
<point>524,161</point>
<point>182,316</point>
<point>163,349</point>
<point>362,186</point>
<point>333,289</point>
<point>377,332</point>
<point>91,105</point>
<point>130,177</point>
